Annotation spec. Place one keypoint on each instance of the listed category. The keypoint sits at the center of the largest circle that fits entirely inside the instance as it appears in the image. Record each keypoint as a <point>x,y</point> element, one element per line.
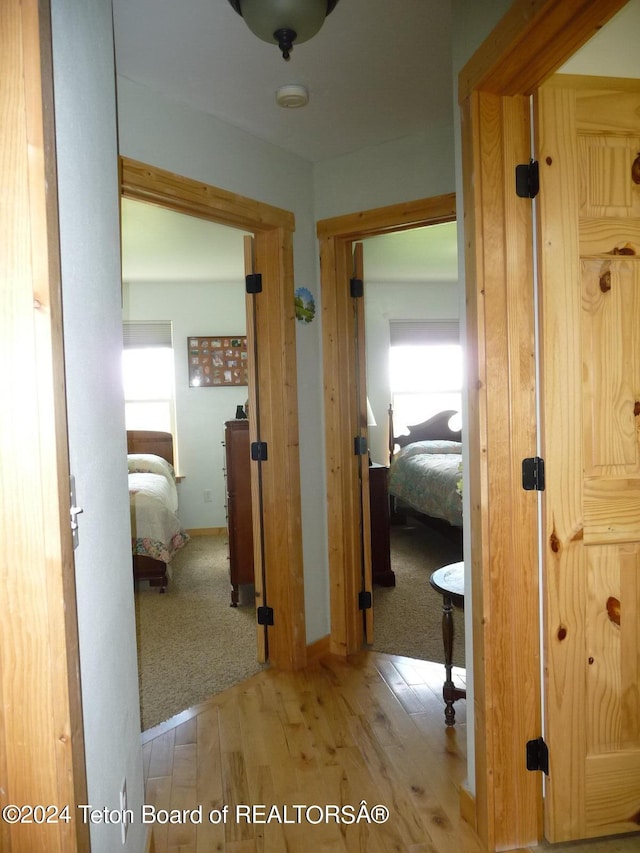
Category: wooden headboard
<point>433,429</point>
<point>150,441</point>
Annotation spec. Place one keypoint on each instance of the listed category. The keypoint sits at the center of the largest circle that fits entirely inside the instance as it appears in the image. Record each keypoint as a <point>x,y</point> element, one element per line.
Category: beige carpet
<point>192,644</point>
<point>407,618</point>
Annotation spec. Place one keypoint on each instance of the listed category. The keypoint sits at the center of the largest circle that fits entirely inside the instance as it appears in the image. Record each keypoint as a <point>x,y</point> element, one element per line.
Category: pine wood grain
<point>590,321</point>
<point>42,753</point>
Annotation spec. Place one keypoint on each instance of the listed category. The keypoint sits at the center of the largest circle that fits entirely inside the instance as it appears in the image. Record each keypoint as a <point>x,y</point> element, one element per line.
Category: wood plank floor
<point>337,733</point>
<point>342,732</point>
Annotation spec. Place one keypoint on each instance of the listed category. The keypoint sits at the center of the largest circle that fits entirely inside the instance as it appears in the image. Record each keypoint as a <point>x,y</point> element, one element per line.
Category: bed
<point>156,532</point>
<point>425,473</point>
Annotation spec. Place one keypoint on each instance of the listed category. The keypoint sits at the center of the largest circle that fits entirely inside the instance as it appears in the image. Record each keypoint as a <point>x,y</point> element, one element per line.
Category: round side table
<point>449,582</point>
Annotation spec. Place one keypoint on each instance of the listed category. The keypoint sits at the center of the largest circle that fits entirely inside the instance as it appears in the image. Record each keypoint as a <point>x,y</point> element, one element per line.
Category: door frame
<point>347,487</point>
<point>529,44</point>
<point>281,542</point>
<point>42,755</point>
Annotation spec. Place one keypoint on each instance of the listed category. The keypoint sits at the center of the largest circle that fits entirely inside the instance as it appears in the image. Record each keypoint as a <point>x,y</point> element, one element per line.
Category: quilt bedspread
<point>156,530</point>
<point>426,475</point>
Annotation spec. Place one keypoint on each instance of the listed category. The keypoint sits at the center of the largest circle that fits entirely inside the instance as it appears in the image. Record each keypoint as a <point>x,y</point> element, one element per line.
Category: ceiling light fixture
<point>282,22</point>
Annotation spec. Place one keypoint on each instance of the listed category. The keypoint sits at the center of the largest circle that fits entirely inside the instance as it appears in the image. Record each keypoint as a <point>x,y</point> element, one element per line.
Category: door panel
<point>366,582</point>
<point>588,140</point>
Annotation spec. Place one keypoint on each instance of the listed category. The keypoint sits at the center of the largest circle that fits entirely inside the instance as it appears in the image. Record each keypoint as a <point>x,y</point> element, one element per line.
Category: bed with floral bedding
<point>156,531</point>
<point>425,472</point>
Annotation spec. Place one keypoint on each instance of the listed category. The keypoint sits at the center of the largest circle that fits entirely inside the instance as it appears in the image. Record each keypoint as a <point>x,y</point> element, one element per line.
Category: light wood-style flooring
<point>340,732</point>
<point>370,728</point>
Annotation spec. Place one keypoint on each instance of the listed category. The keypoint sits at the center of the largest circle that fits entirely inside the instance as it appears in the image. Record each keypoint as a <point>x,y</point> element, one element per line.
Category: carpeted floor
<point>192,644</point>
<point>407,618</point>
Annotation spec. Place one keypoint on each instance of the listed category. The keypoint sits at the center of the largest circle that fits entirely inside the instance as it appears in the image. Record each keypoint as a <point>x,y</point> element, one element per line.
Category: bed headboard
<point>150,441</point>
<point>433,429</point>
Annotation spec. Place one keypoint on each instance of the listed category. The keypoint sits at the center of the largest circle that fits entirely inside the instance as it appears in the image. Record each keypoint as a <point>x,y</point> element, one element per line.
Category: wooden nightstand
<point>380,545</point>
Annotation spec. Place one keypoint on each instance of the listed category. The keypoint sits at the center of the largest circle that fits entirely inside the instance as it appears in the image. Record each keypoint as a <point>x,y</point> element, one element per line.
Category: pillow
<point>417,448</point>
<point>149,463</point>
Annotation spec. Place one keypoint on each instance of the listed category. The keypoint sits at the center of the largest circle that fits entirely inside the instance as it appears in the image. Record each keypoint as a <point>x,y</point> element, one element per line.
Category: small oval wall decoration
<point>305,305</point>
<point>635,170</point>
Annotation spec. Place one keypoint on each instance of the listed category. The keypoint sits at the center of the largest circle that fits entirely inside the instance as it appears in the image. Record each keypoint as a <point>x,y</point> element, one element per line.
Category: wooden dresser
<point>239,521</point>
<point>381,570</point>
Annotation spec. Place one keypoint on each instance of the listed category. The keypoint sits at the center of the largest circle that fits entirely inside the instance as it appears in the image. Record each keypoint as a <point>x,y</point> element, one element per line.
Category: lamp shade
<point>371,421</point>
<point>282,22</point>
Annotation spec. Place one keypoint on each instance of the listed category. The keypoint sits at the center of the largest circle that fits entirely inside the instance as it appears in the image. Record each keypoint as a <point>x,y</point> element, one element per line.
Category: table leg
<point>450,693</point>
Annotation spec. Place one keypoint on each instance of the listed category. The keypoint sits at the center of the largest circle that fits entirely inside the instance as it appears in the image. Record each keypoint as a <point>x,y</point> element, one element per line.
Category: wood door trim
<point>42,758</point>
<point>273,250</point>
<point>143,182</point>
<point>525,48</point>
<point>532,41</point>
<point>337,236</point>
<point>395,217</point>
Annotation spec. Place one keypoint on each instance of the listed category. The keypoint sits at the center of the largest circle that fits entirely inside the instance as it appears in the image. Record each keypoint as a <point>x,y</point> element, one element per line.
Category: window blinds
<point>138,335</point>
<point>423,332</point>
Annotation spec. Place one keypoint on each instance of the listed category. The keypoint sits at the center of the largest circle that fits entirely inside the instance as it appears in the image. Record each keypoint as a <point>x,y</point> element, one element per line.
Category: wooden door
<point>256,472</point>
<point>362,458</point>
<point>588,144</point>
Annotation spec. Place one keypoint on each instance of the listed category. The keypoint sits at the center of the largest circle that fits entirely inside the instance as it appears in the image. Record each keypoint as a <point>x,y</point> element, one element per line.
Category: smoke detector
<point>292,96</point>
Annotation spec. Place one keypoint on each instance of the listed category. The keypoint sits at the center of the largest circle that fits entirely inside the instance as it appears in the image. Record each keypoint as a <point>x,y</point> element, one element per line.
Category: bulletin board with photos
<point>217,361</point>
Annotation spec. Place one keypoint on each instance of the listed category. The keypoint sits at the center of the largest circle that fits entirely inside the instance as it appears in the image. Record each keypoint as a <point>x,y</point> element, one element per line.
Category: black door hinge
<point>364,600</point>
<point>533,474</point>
<point>253,282</point>
<point>360,445</point>
<point>538,755</point>
<point>528,179</point>
<point>264,615</point>
<point>259,451</point>
<point>356,288</point>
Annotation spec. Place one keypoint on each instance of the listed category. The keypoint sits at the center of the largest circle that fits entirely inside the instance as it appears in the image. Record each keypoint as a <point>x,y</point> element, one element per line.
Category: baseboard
<point>149,845</point>
<point>207,531</point>
<point>319,649</point>
<point>467,802</point>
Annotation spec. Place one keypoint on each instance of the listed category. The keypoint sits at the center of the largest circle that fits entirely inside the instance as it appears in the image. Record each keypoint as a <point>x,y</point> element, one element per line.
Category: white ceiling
<point>378,69</point>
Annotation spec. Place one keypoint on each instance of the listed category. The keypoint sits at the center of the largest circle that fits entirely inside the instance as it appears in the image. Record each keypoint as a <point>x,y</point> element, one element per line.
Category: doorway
<point>271,322</point>
<point>347,481</point>
<point>413,365</point>
<point>188,273</point>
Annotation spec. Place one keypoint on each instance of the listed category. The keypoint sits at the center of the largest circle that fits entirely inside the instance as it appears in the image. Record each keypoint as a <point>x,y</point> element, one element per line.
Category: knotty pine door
<point>588,144</point>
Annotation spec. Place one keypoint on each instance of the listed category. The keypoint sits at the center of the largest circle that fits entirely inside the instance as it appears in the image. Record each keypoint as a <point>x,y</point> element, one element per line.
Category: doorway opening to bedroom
<point>351,518</point>
<point>239,325</point>
<point>414,373</point>
<point>183,282</point>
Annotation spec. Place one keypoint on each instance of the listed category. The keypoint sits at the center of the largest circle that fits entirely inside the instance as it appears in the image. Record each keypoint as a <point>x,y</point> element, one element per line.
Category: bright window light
<point>148,377</point>
<point>425,380</point>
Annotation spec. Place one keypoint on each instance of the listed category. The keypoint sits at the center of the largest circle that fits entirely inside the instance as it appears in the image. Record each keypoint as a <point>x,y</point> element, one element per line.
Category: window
<point>148,376</point>
<point>425,366</point>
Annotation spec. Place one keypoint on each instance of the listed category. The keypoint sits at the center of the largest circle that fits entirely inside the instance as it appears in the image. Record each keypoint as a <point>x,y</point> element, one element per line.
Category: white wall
<point>405,169</point>
<point>196,309</point>
<point>172,136</point>
<point>90,254</point>
<point>473,21</point>
<point>397,301</point>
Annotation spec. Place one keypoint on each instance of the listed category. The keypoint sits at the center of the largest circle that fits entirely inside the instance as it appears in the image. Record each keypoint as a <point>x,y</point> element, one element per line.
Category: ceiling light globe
<point>284,21</point>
